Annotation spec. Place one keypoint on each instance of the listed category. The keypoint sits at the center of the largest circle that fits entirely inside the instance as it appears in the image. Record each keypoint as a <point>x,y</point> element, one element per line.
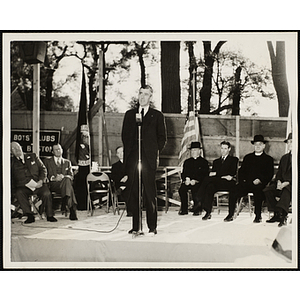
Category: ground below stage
<point>182,242</point>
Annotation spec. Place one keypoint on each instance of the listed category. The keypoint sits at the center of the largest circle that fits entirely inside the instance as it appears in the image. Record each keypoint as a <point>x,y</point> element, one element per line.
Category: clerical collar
<point>146,108</point>
<point>258,154</point>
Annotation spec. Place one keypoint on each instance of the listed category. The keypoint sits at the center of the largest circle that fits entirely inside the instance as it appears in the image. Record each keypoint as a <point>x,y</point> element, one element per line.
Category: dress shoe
<point>73,216</point>
<point>152,232</point>
<point>51,219</point>
<point>228,218</point>
<point>275,218</point>
<point>132,231</point>
<point>207,216</point>
<point>257,220</point>
<point>196,213</point>
<point>181,213</point>
<point>282,222</point>
<point>30,219</point>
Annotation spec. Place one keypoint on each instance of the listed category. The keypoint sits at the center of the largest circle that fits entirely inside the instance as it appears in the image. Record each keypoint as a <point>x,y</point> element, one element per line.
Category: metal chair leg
<point>31,201</point>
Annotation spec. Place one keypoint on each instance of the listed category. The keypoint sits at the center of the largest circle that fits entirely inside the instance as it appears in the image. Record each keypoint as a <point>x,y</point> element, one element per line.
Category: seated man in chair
<point>28,175</point>
<point>119,177</point>
<point>195,169</point>
<point>256,171</point>
<point>60,177</point>
<point>221,178</point>
<point>281,188</point>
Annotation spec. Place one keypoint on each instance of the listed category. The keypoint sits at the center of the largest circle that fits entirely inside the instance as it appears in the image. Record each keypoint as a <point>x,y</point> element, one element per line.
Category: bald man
<point>28,175</point>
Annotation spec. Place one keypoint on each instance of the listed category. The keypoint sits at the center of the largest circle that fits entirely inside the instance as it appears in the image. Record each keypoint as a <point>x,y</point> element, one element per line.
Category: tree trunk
<point>49,89</point>
<point>279,76</point>
<point>209,58</point>
<point>140,52</point>
<point>192,81</point>
<point>170,78</point>
<point>236,96</point>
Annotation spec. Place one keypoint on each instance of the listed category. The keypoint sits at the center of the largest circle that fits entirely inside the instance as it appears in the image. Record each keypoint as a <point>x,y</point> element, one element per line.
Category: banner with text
<point>47,139</point>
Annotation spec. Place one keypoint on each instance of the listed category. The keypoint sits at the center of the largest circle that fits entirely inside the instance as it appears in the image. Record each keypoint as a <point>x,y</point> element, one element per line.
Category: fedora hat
<point>258,138</point>
<point>290,137</point>
<point>195,145</point>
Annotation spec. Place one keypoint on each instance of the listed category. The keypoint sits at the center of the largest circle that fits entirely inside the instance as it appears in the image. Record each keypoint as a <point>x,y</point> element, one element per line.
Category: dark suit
<point>21,174</point>
<point>253,167</point>
<point>117,173</point>
<point>212,184</point>
<point>196,169</point>
<point>64,187</point>
<point>153,132</point>
<point>284,173</point>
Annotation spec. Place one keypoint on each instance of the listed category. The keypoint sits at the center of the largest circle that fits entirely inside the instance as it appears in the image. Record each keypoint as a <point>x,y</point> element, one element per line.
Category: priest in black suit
<point>255,173</point>
<point>194,170</point>
<point>281,188</point>
<point>221,178</point>
<point>153,133</point>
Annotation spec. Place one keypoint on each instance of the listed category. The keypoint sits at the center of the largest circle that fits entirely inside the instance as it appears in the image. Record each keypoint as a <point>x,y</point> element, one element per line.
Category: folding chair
<point>99,183</point>
<point>218,195</point>
<point>35,202</point>
<point>118,204</point>
<point>56,199</point>
<point>239,209</point>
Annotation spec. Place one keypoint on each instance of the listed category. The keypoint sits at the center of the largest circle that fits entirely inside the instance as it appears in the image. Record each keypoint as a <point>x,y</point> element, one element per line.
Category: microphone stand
<point>139,125</point>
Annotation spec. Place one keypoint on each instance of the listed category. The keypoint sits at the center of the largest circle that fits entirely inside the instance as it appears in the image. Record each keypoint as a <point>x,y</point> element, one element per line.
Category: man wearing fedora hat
<point>255,173</point>
<point>281,188</point>
<point>195,169</point>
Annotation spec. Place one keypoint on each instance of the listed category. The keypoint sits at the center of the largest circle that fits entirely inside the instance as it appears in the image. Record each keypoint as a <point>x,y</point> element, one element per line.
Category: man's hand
<point>282,185</point>
<point>212,173</point>
<point>187,181</point>
<point>39,184</point>
<point>256,181</point>
<point>193,182</point>
<point>227,177</point>
<point>59,177</point>
<point>124,179</point>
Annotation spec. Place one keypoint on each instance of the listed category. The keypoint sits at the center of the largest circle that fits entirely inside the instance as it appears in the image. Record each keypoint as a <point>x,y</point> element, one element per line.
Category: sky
<point>251,45</point>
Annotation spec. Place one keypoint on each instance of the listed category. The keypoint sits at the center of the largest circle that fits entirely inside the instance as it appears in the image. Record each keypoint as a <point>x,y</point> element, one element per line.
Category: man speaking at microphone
<point>153,140</point>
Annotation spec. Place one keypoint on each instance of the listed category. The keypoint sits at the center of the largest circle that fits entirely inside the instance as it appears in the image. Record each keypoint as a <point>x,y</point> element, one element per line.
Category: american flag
<point>191,133</point>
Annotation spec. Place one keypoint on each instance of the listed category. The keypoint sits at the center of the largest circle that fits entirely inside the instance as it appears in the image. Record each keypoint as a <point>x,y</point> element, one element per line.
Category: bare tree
<point>279,76</point>
<point>209,59</point>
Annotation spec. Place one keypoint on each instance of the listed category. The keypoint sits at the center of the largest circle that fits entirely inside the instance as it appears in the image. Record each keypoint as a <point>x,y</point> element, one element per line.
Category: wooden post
<point>194,90</point>
<point>237,135</point>
<point>100,98</point>
<point>36,110</point>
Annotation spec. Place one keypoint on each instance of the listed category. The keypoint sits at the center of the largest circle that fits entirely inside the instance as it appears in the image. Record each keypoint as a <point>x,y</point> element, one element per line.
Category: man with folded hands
<point>221,178</point>
<point>28,176</point>
<point>195,169</point>
<point>60,176</point>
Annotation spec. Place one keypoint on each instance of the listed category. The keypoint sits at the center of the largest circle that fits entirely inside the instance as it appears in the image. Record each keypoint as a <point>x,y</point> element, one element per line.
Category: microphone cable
<point>70,227</point>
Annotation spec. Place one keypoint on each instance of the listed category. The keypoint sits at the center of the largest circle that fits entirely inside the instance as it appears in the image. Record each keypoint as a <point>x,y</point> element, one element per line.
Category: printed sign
<point>47,139</point>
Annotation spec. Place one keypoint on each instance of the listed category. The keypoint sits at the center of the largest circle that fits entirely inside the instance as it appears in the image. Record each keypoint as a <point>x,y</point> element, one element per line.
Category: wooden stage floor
<point>102,241</point>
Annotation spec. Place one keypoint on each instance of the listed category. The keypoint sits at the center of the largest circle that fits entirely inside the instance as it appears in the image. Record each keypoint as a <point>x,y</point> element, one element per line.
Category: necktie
<point>142,112</point>
<point>223,159</point>
<point>58,161</point>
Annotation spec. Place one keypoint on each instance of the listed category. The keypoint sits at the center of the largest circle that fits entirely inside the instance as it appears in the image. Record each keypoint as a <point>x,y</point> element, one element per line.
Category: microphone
<point>138,118</point>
